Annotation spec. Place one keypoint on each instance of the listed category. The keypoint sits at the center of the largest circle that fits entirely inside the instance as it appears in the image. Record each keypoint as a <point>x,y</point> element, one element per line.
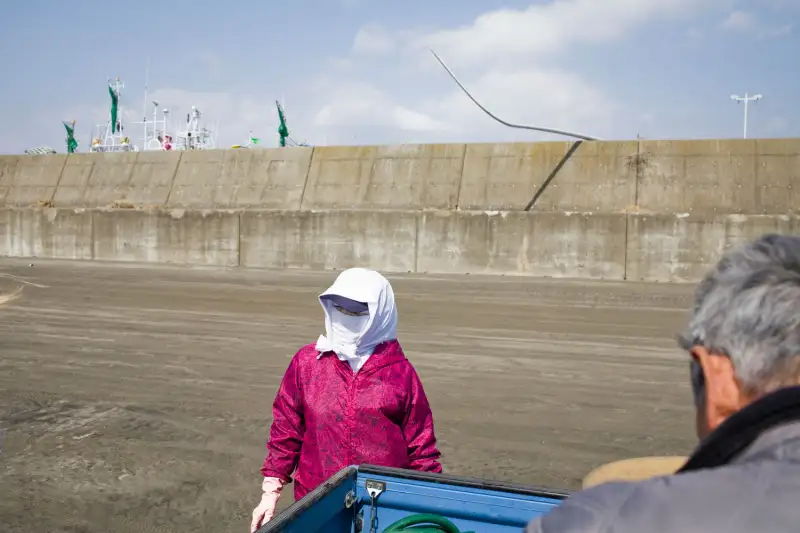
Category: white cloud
<point>542,29</point>
<point>374,40</point>
<point>695,34</point>
<point>740,21</point>
<point>410,120</point>
<point>359,104</point>
<point>749,23</point>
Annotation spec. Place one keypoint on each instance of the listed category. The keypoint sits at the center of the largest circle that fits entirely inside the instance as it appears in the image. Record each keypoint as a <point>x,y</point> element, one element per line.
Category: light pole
<point>746,99</point>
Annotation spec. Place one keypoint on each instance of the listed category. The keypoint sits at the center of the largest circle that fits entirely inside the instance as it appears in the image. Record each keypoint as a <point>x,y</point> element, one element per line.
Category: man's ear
<point>724,392</point>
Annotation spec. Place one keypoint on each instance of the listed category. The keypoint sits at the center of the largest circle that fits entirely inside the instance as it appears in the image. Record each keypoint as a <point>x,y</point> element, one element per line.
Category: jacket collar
<point>758,430</point>
<point>385,354</point>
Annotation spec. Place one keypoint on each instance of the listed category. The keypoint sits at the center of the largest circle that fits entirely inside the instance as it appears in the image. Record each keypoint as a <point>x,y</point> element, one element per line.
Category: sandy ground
<point>137,399</point>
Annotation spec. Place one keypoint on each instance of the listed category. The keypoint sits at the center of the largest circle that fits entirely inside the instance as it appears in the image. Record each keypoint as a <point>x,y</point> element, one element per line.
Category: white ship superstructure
<point>195,136</point>
<point>158,133</point>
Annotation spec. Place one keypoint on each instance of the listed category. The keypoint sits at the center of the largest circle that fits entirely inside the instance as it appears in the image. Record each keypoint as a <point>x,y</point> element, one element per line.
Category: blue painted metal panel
<point>320,511</point>
<point>472,505</point>
<point>468,508</point>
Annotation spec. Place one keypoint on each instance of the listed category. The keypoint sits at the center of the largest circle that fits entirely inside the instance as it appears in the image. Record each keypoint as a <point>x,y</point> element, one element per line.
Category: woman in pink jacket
<point>352,398</point>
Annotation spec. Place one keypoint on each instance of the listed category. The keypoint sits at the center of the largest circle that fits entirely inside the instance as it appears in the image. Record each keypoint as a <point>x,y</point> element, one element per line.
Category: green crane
<point>72,144</point>
<point>113,92</point>
<point>283,130</point>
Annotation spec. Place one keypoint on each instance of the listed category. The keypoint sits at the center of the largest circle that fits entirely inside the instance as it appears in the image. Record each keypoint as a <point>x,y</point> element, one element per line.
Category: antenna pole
<point>144,106</point>
<point>146,81</point>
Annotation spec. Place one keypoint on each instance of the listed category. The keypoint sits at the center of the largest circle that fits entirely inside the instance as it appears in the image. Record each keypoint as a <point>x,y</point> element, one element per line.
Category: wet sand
<point>137,399</point>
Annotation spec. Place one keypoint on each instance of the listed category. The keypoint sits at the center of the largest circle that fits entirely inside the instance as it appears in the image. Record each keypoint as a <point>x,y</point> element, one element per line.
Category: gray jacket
<point>757,491</point>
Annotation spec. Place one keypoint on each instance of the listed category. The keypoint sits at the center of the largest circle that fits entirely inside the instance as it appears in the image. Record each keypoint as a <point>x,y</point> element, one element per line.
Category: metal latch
<point>349,499</point>
<point>374,489</point>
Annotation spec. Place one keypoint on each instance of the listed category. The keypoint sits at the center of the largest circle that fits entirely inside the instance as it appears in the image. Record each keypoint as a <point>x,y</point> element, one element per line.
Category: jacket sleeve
<point>288,427</point>
<point>593,510</point>
<point>418,430</point>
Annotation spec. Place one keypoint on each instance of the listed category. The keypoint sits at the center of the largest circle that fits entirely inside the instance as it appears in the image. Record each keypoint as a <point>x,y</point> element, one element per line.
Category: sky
<point>360,71</point>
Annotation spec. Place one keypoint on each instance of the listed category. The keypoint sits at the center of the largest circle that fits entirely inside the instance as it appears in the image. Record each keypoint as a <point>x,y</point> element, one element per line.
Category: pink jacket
<point>325,418</point>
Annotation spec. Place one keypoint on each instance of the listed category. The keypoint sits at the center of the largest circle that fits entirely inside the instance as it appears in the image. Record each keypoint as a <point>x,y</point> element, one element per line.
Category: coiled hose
<point>424,523</point>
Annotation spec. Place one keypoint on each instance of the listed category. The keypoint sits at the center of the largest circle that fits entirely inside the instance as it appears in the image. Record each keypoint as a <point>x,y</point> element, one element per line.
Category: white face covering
<point>345,332</point>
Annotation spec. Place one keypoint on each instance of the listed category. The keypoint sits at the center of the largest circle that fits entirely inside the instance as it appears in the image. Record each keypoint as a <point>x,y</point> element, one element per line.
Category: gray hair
<point>748,308</point>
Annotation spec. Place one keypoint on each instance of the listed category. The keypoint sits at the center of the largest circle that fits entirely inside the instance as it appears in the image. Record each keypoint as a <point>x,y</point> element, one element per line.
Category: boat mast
<point>114,138</point>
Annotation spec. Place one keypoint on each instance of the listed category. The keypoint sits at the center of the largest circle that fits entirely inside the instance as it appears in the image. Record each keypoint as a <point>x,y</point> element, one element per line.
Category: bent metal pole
<point>503,122</point>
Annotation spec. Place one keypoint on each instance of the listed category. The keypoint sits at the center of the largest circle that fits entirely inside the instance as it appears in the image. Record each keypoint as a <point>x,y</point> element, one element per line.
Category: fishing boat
<point>40,150</point>
<point>157,133</point>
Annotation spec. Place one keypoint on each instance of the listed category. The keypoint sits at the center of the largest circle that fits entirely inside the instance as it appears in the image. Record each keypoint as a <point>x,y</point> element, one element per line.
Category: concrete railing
<point>649,210</point>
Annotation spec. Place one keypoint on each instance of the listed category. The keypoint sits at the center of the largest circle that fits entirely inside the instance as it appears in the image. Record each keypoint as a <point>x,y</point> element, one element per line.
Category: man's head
<point>744,330</point>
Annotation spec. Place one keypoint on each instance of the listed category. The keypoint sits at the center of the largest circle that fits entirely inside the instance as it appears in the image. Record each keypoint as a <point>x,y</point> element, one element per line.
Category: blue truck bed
<point>369,499</point>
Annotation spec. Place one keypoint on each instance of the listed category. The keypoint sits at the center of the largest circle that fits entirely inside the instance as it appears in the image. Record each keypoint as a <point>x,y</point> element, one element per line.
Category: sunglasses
<point>349,313</point>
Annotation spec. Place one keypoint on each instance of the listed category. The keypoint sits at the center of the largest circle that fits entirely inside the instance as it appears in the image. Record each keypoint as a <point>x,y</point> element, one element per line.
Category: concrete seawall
<point>650,210</point>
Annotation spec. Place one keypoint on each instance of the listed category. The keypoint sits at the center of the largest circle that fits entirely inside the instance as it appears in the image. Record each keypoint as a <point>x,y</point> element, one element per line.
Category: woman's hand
<point>269,499</point>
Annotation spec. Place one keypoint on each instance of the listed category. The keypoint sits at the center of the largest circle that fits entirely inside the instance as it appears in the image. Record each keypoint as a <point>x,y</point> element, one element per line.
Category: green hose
<point>424,523</point>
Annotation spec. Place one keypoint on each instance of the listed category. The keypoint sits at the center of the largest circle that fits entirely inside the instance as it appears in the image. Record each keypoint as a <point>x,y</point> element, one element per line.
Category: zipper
<point>351,415</point>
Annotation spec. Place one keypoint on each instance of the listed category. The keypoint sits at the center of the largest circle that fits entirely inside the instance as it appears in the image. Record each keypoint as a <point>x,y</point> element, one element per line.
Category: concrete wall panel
<point>778,176</point>
<point>31,180</point>
<point>684,248</point>
<point>198,181</point>
<point>534,244</point>
<point>597,177</point>
<point>217,179</point>
<point>151,179</point>
<point>698,177</point>
<point>49,233</point>
<point>266,179</point>
<point>383,240</point>
<point>96,180</point>
<point>506,176</point>
<point>176,236</point>
<point>110,181</point>
<point>74,180</point>
<point>392,177</point>
<point>8,167</point>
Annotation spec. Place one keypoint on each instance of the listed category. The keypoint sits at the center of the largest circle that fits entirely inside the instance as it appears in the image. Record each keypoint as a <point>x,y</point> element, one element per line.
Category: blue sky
<point>358,71</point>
